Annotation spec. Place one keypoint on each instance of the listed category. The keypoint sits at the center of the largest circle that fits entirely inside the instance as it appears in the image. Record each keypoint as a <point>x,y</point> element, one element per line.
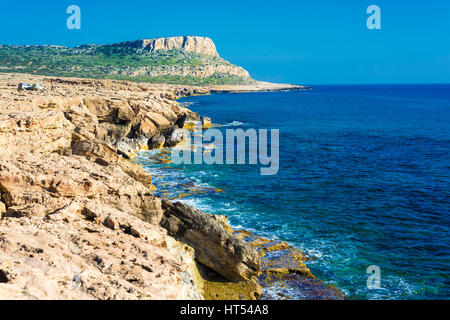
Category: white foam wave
<point>231,124</point>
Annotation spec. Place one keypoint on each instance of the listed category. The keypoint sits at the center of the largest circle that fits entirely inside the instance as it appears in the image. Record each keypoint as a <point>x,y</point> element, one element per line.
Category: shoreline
<point>61,171</point>
<point>286,264</point>
<point>259,86</point>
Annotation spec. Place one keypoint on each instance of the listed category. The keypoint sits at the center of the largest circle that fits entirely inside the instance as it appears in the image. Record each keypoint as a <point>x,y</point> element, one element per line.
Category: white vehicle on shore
<point>27,86</point>
<point>24,86</point>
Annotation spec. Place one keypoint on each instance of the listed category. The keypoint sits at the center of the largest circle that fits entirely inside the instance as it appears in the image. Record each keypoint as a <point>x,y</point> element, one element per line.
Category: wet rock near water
<point>284,274</point>
<point>214,246</point>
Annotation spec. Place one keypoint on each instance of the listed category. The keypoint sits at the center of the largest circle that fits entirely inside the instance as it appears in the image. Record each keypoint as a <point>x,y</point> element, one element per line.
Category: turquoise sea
<point>364,180</point>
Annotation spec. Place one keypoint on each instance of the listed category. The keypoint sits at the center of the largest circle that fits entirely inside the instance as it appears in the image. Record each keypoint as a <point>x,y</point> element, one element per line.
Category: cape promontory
<point>183,60</point>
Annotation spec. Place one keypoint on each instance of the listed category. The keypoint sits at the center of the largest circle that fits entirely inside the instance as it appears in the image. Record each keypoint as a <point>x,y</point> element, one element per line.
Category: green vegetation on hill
<point>122,63</point>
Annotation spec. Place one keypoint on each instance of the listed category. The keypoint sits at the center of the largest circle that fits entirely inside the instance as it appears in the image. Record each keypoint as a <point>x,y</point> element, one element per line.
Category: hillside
<point>183,60</point>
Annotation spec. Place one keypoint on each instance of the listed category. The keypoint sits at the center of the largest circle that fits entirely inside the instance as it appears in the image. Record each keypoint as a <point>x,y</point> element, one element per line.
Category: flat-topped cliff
<point>201,45</point>
<point>188,60</point>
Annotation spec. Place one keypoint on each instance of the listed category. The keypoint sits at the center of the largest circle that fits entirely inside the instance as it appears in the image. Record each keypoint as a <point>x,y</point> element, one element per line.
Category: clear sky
<point>305,42</point>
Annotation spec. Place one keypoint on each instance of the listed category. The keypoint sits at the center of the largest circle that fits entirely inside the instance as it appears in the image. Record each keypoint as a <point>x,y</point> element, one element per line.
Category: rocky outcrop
<point>214,246</point>
<point>125,117</point>
<point>75,253</point>
<point>201,45</point>
<point>77,220</point>
<point>182,59</point>
<point>81,221</point>
<point>283,266</point>
<point>221,69</point>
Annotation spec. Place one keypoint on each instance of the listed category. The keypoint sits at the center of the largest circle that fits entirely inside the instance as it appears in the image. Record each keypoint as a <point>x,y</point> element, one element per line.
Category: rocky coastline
<point>79,220</point>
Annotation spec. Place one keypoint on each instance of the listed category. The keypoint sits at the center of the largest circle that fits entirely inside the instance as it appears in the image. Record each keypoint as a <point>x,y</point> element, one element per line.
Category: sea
<point>363,182</point>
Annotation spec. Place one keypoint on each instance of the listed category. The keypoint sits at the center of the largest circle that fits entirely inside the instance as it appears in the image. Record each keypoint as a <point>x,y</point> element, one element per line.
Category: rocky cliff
<point>201,45</point>
<point>182,60</point>
<point>77,220</point>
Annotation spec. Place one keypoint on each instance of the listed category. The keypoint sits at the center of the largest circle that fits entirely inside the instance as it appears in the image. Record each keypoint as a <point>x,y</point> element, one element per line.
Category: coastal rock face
<point>33,187</point>
<point>214,246</point>
<point>77,220</point>
<point>71,254</point>
<point>182,59</point>
<point>202,71</point>
<point>195,44</point>
<point>49,128</point>
<point>283,266</point>
<point>125,120</point>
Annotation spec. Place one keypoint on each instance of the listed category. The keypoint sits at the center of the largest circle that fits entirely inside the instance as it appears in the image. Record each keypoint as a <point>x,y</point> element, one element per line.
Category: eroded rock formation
<point>202,45</point>
<point>77,219</point>
<point>214,246</point>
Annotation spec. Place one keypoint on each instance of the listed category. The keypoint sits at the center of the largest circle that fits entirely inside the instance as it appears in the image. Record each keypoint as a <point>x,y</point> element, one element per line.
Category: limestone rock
<point>41,132</point>
<point>147,127</point>
<point>127,147</point>
<point>214,246</point>
<point>55,181</point>
<point>187,121</point>
<point>93,149</point>
<point>223,220</point>
<point>196,44</point>
<point>156,142</point>
<point>176,137</point>
<point>206,122</point>
<point>2,209</point>
<point>125,113</point>
<point>79,221</point>
<point>158,120</point>
<point>83,259</point>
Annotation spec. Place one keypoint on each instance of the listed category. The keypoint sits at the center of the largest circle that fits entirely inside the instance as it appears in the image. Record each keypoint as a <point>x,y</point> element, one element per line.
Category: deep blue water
<point>364,180</point>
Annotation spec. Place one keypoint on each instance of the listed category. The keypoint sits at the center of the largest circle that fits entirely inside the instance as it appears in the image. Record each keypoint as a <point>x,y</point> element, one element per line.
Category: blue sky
<point>305,42</point>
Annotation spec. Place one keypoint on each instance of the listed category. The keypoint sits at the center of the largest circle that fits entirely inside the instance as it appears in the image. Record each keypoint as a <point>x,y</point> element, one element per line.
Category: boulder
<point>77,220</point>
<point>187,121</point>
<point>158,120</point>
<point>97,106</point>
<point>127,147</point>
<point>177,136</point>
<point>114,132</point>
<point>157,142</point>
<point>206,123</point>
<point>125,113</point>
<point>93,149</point>
<point>147,128</point>
<point>223,220</point>
<point>214,246</point>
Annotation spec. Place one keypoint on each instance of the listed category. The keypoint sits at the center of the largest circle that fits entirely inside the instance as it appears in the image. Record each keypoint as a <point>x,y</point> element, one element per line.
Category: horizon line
<point>377,84</point>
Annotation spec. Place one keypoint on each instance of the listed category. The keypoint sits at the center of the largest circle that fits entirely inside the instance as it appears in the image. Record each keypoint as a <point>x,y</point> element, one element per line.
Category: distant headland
<point>185,60</point>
